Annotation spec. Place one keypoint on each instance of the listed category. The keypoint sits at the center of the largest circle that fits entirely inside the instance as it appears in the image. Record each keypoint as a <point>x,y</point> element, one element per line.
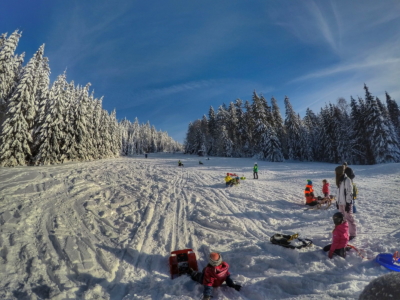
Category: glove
<point>237,287</point>
<point>347,208</point>
<point>330,255</point>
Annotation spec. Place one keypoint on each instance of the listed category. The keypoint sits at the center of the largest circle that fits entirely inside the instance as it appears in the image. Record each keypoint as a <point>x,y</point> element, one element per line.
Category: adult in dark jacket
<point>348,171</point>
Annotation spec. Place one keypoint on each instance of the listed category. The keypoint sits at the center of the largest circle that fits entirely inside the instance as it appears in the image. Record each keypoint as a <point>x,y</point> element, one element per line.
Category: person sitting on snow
<point>340,236</point>
<point>200,163</point>
<point>180,164</point>
<point>309,194</point>
<point>325,188</point>
<point>213,275</point>
<point>228,180</point>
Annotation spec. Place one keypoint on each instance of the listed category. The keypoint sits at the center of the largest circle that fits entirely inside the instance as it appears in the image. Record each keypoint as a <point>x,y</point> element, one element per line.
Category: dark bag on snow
<point>285,240</point>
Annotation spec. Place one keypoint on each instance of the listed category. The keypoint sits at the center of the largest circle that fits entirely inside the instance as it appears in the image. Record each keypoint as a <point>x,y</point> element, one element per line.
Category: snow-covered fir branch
<point>40,124</point>
<point>366,131</point>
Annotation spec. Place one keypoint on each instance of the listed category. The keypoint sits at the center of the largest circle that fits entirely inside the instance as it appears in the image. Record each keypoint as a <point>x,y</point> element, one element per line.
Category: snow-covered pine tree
<point>135,138</point>
<point>125,125</point>
<point>292,125</point>
<point>248,148</point>
<point>232,129</point>
<point>16,136</point>
<point>41,99</point>
<point>357,145</point>
<point>259,117</point>
<point>115,132</point>
<point>212,130</point>
<point>105,147</point>
<point>9,67</point>
<point>343,130</point>
<point>272,146</point>
<point>96,121</point>
<point>268,111</point>
<point>384,147</point>
<point>50,138</point>
<point>311,123</point>
<point>81,126</point>
<point>306,150</point>
<point>241,130</point>
<point>394,113</point>
<point>278,126</point>
<point>69,149</point>
<point>225,145</point>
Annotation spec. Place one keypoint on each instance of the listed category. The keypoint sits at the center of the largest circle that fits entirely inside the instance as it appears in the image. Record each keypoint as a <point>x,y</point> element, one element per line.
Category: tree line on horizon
<point>43,124</point>
<point>366,131</point>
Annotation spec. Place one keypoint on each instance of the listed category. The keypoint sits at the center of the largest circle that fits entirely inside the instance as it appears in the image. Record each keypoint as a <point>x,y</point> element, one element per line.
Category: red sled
<point>232,174</point>
<point>180,261</point>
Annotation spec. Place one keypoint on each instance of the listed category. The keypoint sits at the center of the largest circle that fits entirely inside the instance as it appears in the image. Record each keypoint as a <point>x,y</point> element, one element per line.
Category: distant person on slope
<point>344,199</point>
<point>255,171</point>
<point>180,164</point>
<point>340,236</point>
<point>325,188</point>
<point>213,275</point>
<point>348,171</point>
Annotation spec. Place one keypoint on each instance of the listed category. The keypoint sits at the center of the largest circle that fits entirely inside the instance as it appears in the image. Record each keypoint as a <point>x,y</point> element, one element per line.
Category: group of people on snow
<point>345,225</point>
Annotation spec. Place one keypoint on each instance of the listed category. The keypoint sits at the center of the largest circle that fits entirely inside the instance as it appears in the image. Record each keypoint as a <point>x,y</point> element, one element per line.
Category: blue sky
<point>168,61</point>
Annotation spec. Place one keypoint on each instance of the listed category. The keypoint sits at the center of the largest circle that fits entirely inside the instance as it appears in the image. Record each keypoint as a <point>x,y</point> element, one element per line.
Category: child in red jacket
<point>213,275</point>
<point>325,188</point>
<point>340,236</point>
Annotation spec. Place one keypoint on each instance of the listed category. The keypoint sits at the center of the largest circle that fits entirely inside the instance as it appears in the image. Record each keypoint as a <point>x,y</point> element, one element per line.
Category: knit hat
<point>215,259</point>
<point>345,164</point>
<point>309,182</point>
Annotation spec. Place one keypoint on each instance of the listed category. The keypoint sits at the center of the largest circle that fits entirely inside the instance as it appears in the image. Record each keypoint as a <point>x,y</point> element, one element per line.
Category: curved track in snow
<point>104,230</point>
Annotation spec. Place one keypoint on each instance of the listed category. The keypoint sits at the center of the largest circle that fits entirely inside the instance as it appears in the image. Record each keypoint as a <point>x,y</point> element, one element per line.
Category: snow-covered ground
<point>104,229</point>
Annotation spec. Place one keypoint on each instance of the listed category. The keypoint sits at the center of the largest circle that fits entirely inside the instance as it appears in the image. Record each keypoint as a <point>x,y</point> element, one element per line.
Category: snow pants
<point>198,277</point>
<point>348,216</point>
<point>255,175</point>
<point>341,252</point>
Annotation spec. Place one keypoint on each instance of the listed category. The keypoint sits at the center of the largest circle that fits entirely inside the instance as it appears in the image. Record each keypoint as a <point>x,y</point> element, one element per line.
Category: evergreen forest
<point>43,123</point>
<point>364,131</point>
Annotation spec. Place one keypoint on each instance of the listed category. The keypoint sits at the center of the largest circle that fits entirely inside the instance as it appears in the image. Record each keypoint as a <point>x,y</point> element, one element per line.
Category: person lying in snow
<point>213,275</point>
<point>340,236</point>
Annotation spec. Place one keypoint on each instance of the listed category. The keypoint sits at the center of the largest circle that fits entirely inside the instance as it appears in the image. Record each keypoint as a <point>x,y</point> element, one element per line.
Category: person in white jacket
<point>344,199</point>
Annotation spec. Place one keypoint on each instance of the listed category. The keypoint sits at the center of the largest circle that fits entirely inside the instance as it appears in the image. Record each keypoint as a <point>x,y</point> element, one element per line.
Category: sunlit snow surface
<point>104,229</point>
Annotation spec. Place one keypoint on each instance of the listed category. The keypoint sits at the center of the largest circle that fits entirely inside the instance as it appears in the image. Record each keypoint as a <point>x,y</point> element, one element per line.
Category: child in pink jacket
<point>325,188</point>
<point>340,236</point>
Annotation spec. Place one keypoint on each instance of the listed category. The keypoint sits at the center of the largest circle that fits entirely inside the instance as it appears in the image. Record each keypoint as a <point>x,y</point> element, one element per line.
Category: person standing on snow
<point>255,171</point>
<point>213,275</point>
<point>340,236</point>
<point>325,188</point>
<point>344,199</point>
